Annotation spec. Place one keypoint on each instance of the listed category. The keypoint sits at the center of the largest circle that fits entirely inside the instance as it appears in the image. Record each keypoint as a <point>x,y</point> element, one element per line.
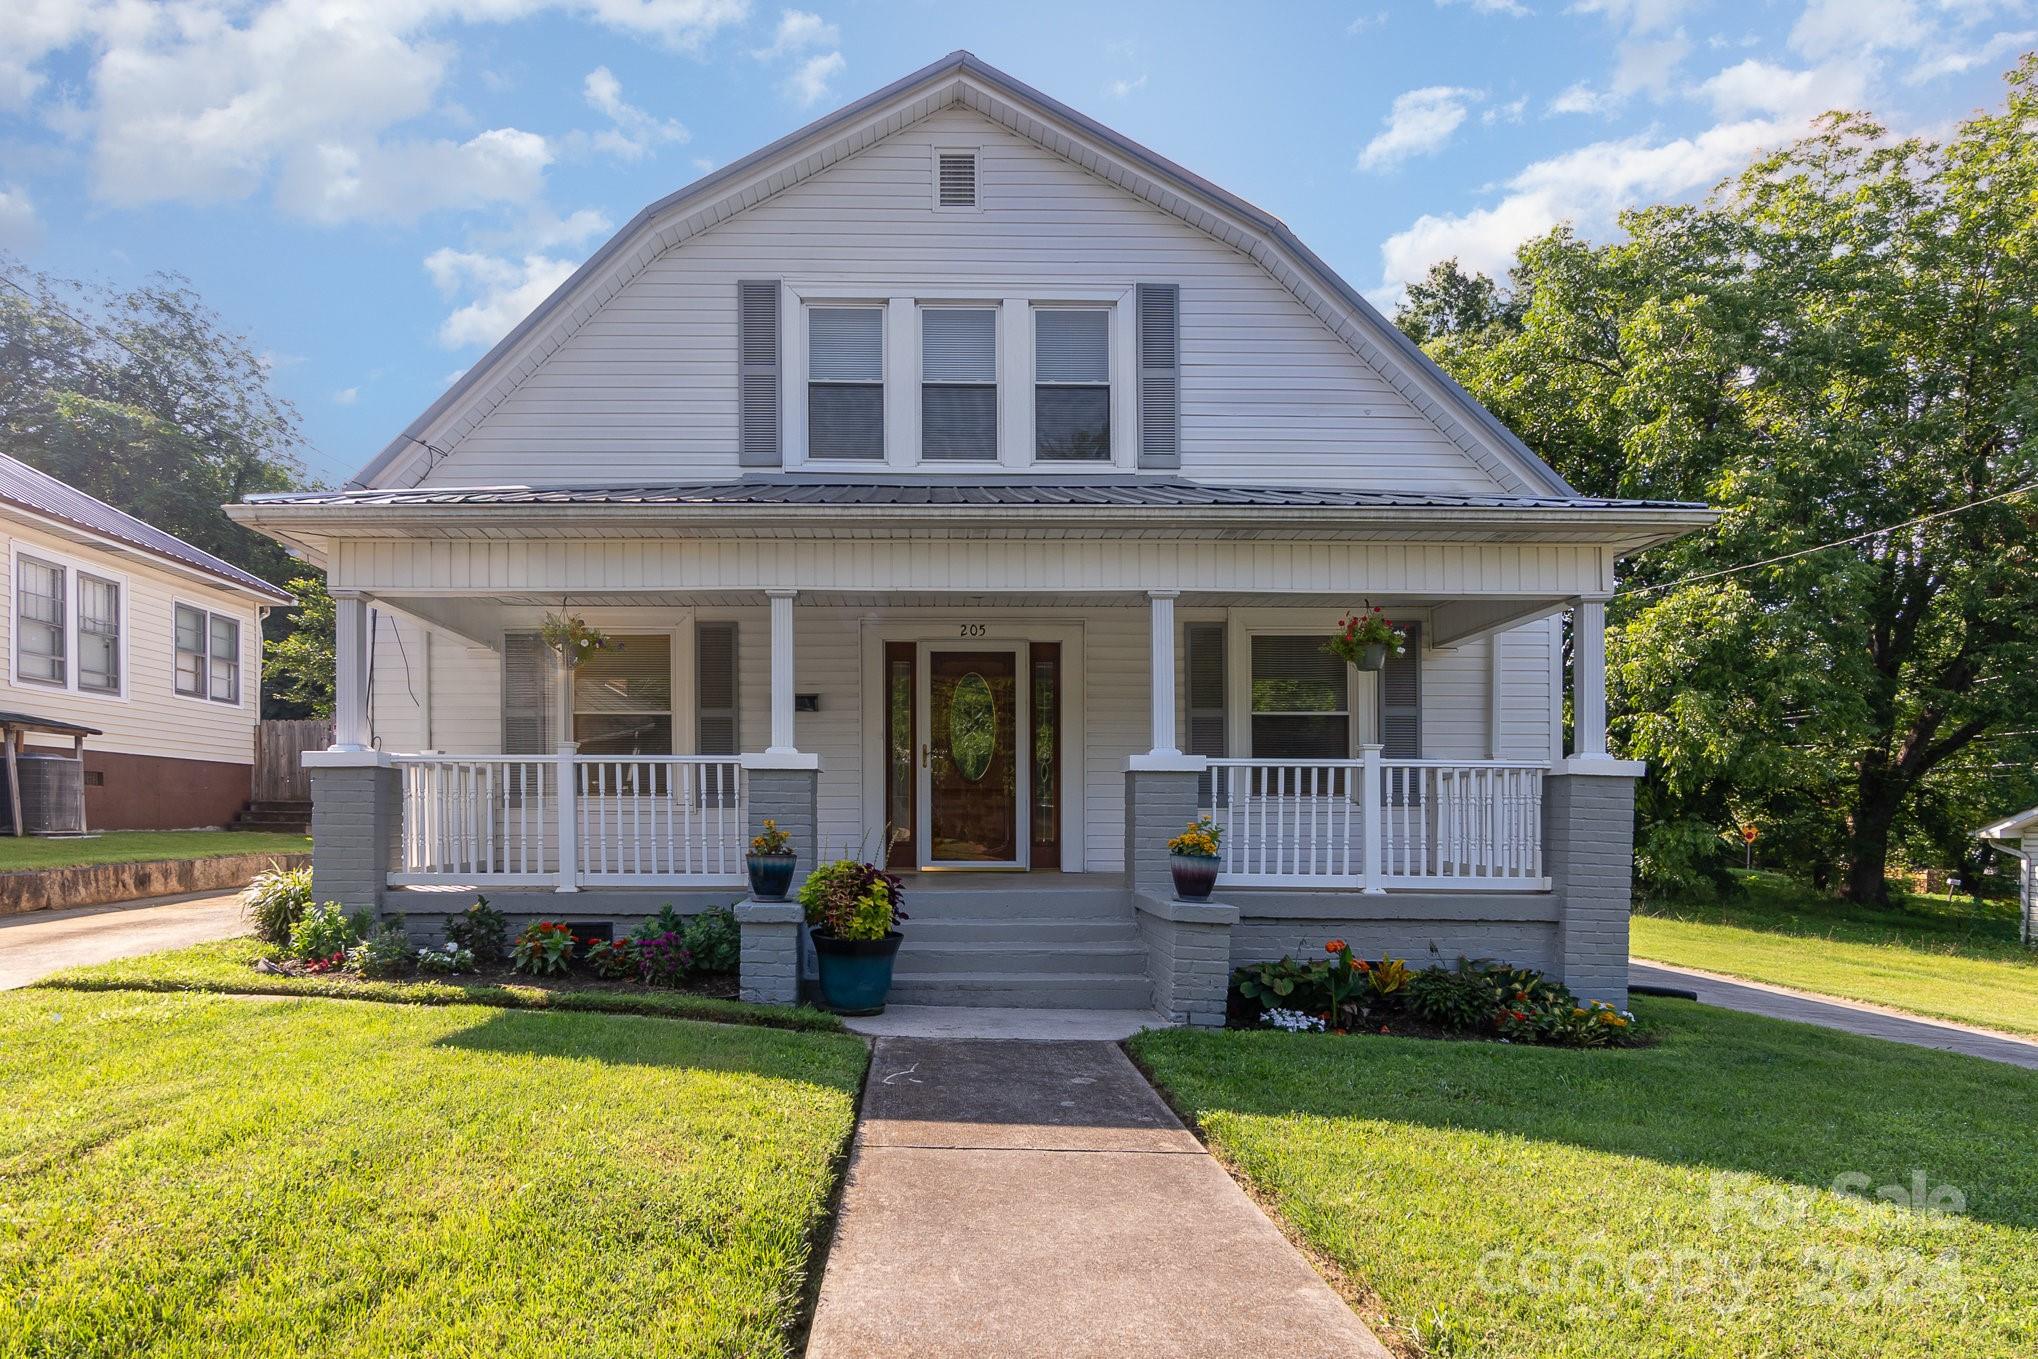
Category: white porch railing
<point>499,820</point>
<point>1377,824</point>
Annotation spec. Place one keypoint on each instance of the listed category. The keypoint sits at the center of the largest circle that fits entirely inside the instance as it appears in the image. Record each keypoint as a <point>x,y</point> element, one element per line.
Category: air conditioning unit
<point>52,795</point>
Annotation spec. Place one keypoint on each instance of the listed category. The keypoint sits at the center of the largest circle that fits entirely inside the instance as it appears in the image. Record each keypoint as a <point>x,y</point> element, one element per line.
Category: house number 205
<point>970,630</point>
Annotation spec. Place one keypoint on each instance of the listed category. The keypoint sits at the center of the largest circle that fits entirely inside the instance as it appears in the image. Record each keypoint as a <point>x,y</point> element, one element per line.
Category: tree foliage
<point>1839,340</point>
<point>298,667</point>
<point>143,398</point>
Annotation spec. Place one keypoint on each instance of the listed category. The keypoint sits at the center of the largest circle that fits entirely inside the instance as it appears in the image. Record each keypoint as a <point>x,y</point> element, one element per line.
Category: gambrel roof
<point>962,79</point>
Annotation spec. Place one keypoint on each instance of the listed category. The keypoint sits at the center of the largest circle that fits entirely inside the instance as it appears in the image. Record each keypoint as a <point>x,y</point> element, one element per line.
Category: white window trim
<point>934,156</point>
<point>240,701</point>
<point>1000,342</point>
<point>1242,625</point>
<point>630,621</point>
<point>1016,301</point>
<point>73,567</point>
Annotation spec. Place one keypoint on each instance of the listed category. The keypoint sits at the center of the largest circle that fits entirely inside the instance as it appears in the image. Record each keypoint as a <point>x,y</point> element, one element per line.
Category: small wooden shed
<point>2017,836</point>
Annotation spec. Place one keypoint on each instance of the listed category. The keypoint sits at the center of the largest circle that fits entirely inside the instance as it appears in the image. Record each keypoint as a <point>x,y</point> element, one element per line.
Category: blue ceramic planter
<point>856,974</point>
<point>770,875</point>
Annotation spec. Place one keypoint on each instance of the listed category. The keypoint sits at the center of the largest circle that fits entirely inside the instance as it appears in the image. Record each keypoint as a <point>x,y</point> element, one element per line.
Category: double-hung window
<point>1301,700</point>
<point>1072,384</point>
<point>959,384</point>
<point>208,647</point>
<point>846,382</point>
<point>622,698</point>
<point>40,656</point>
<point>98,634</point>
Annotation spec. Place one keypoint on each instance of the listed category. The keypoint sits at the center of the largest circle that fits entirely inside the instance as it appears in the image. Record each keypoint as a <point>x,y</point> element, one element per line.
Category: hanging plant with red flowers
<point>572,637</point>
<point>1366,637</point>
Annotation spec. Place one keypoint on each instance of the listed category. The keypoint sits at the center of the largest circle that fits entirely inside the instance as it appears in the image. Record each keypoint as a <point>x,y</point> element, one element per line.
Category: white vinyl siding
<point>144,714</point>
<point>645,390</point>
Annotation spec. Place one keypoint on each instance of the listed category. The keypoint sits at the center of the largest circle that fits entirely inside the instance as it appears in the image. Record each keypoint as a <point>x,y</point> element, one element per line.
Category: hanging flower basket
<point>1366,638</point>
<point>572,638</point>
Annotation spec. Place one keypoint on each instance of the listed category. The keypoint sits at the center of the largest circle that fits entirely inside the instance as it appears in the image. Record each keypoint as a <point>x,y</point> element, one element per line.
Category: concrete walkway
<point>992,1021</point>
<point>1037,1198</point>
<point>43,942</point>
<point>1872,1021</point>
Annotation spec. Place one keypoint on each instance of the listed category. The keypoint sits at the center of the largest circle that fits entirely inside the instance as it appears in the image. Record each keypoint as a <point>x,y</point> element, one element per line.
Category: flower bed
<point>1343,993</point>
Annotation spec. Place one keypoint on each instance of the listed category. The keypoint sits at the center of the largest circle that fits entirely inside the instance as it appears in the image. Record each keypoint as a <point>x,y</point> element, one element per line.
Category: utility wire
<point>1824,547</point>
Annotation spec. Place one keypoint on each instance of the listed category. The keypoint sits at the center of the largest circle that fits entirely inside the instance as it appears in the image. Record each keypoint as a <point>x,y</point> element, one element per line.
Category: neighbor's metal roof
<point>1128,494</point>
<point>39,493</point>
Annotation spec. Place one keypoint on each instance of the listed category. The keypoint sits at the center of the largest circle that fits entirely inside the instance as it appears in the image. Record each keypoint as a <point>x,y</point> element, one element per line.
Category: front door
<point>972,776</point>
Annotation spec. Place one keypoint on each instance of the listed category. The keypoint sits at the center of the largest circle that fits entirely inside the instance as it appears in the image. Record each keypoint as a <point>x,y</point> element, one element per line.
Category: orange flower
<point>1334,946</point>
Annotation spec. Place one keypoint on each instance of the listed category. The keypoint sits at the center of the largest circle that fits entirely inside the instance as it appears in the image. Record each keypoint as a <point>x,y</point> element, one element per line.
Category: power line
<point>1824,547</point>
<point>102,333</point>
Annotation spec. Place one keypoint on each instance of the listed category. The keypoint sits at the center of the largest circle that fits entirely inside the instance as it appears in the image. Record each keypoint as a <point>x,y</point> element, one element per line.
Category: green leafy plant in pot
<point>770,862</point>
<point>851,907</point>
<point>1365,638</point>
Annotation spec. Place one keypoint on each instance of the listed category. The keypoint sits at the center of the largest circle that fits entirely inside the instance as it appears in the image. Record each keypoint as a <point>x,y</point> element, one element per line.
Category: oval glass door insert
<point>972,726</point>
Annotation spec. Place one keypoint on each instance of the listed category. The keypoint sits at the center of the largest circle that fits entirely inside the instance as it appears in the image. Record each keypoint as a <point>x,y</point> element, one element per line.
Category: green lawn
<point>1676,1200</point>
<point>127,847</point>
<point>186,1175</point>
<point>1937,956</point>
<point>226,966</point>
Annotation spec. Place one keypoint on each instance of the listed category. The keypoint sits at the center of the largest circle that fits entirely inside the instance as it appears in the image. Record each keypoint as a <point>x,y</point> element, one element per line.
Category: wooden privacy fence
<point>280,775</point>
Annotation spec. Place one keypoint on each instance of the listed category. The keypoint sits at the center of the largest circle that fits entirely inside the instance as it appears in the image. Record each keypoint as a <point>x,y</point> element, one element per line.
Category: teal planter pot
<point>770,875</point>
<point>856,974</point>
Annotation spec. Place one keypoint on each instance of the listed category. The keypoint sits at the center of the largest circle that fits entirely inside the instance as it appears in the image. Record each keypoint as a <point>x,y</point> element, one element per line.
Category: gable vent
<point>956,180</point>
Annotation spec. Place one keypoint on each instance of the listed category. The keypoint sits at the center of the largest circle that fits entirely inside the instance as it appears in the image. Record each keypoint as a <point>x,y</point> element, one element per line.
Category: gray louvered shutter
<point>530,695</point>
<point>1160,375</point>
<point>757,342</point>
<point>715,689</point>
<point>1204,643</point>
<point>1401,700</point>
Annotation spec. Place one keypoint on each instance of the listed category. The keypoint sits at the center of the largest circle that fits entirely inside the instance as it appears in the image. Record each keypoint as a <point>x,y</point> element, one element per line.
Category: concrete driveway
<point>43,942</point>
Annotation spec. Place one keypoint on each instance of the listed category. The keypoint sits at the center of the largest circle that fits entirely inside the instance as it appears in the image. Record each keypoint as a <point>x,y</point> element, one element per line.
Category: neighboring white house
<point>975,488</point>
<point>2017,836</point>
<point>113,624</point>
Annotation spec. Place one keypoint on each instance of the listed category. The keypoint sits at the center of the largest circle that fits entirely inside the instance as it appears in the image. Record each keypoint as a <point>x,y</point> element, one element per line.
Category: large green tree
<point>145,398</point>
<point>1840,339</point>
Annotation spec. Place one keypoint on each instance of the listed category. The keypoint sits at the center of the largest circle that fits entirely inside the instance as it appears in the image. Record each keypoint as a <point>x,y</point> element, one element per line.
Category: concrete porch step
<point>1089,990</point>
<point>995,930</point>
<point>1019,961</point>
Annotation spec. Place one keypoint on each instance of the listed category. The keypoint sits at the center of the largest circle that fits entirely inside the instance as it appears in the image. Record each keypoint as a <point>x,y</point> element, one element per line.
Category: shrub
<point>852,900</point>
<point>385,953</point>
<point>662,960</point>
<point>1286,985</point>
<point>667,921</point>
<point>545,948</point>
<point>613,959</point>
<point>275,900</point>
<point>482,931</point>
<point>714,940</point>
<point>323,932</point>
<point>1458,999</point>
<point>447,958</point>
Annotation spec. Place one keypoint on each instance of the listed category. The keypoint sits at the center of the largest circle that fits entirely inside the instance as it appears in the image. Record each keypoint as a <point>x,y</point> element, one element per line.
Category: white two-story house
<point>970,488</point>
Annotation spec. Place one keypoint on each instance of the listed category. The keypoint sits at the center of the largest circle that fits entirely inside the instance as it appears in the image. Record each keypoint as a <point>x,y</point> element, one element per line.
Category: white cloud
<point>1125,89</point>
<point>808,84</point>
<point>20,228</point>
<point>1512,8</point>
<point>1582,98</point>
<point>1636,16</point>
<point>633,132</point>
<point>208,100</point>
<point>1957,61</point>
<point>500,292</point>
<point>1366,21</point>
<point>346,396</point>
<point>1588,185</point>
<point>1420,122</point>
<point>1510,112</point>
<point>1648,66</point>
<point>1830,27</point>
<point>1761,87</point>
<point>799,31</point>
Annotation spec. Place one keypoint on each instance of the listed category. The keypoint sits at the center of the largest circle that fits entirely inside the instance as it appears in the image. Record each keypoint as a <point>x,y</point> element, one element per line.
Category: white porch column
<point>782,739</point>
<point>1163,659</point>
<point>1588,678</point>
<point>350,673</point>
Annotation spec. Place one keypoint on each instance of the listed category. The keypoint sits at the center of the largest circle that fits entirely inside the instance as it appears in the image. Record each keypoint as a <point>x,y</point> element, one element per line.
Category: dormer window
<point>955,179</point>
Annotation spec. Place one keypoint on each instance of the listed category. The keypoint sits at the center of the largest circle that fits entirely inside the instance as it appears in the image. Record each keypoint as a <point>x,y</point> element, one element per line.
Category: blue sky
<point>374,190</point>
